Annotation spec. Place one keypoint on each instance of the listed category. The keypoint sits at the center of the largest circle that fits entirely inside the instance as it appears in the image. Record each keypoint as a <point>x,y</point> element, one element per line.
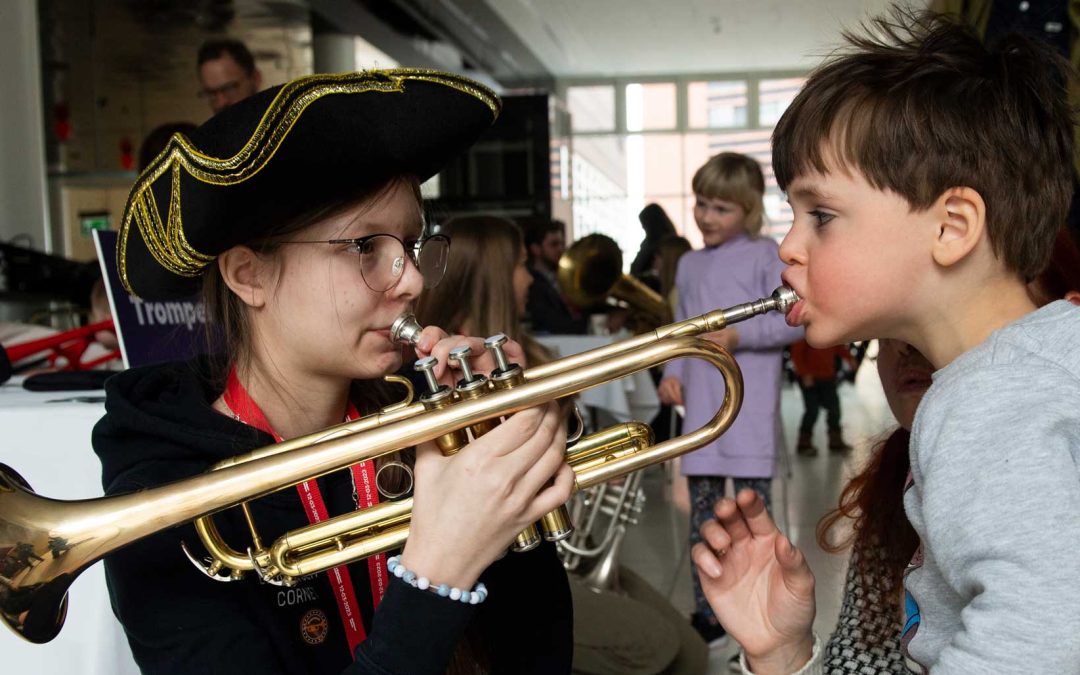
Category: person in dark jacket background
<point>548,311</point>
<point>657,225</point>
<point>308,241</point>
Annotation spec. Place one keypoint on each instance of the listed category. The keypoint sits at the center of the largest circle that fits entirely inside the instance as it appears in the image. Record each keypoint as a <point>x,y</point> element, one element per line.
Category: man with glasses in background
<point>227,73</point>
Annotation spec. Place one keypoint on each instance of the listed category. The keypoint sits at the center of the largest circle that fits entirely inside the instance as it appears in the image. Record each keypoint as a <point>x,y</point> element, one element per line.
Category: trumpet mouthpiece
<point>785,299</point>
<point>406,329</point>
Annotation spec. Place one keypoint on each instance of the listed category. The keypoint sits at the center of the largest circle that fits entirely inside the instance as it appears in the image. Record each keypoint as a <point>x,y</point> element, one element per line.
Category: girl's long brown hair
<point>873,502</point>
<point>478,287</point>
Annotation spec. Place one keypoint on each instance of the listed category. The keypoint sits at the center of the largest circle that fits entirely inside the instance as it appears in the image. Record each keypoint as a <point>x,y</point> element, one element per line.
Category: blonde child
<point>735,264</point>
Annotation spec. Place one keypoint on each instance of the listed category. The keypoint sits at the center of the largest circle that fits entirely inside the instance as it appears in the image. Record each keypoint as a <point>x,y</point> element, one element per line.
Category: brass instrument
<point>608,508</point>
<point>46,543</point>
<point>590,272</point>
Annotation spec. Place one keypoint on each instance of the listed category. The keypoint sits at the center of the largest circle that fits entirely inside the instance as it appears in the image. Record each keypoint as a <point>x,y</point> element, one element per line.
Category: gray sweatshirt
<point>995,498</point>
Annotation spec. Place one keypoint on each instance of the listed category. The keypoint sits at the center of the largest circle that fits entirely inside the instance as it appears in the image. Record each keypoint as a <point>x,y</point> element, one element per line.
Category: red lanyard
<point>363,476</point>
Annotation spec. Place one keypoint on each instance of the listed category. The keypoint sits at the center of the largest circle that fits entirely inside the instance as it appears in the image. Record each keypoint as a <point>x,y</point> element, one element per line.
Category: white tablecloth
<point>630,398</point>
<point>45,437</point>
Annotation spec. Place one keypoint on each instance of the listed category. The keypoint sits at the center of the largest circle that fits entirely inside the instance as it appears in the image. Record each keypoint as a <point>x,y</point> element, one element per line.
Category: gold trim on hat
<point>166,241</point>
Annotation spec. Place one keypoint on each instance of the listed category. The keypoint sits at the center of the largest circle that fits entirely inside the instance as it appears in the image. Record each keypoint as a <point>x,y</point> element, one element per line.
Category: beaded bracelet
<point>473,597</point>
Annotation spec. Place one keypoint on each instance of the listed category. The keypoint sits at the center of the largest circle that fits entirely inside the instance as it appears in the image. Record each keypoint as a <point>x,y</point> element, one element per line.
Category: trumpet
<point>46,543</point>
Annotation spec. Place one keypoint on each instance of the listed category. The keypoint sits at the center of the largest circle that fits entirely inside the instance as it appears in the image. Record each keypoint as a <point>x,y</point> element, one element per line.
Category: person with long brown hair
<point>486,285</point>
<point>298,213</point>
<point>635,631</point>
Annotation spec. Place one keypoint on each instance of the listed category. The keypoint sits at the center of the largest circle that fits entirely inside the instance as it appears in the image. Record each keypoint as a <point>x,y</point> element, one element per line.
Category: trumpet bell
<point>34,610</point>
<point>590,272</point>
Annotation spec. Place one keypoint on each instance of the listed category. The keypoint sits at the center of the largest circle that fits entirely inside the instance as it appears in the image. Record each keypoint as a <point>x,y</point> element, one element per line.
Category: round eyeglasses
<point>382,258</point>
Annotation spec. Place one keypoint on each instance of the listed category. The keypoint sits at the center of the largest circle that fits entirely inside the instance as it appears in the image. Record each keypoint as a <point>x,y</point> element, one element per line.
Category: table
<point>46,438</point>
<point>630,398</point>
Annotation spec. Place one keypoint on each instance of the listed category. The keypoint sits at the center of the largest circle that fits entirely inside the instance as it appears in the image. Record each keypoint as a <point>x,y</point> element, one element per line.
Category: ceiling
<point>588,38</point>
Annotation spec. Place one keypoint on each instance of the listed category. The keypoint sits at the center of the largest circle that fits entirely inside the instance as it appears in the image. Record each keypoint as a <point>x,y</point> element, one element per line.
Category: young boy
<point>928,176</point>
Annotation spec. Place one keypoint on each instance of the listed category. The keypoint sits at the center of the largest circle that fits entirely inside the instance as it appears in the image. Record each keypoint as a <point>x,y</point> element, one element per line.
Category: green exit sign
<point>88,222</point>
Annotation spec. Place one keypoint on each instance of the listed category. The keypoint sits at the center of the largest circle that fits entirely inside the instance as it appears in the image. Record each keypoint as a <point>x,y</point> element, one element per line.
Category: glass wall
<point>635,143</point>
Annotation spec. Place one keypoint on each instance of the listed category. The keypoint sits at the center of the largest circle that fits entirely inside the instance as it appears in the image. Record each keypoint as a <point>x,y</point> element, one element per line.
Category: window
<point>655,154</point>
<point>591,108</point>
<point>774,97</point>
<point>650,106</point>
<point>716,105</point>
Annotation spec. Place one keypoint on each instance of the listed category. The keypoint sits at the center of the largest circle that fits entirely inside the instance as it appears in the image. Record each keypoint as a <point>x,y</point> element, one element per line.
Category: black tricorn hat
<point>282,152</point>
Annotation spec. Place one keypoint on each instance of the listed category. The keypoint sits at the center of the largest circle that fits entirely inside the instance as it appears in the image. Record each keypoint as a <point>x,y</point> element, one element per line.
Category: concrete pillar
<point>333,52</point>
<point>24,211</point>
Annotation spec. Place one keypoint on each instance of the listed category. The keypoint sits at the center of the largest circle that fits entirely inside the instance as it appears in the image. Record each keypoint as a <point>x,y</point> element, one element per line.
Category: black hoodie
<point>159,427</point>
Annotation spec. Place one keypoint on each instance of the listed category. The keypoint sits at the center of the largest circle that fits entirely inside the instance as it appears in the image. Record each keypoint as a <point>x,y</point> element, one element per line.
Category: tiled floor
<point>806,488</point>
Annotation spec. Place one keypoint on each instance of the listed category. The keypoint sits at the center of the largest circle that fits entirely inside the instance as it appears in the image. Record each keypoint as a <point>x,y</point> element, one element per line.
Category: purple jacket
<point>737,271</point>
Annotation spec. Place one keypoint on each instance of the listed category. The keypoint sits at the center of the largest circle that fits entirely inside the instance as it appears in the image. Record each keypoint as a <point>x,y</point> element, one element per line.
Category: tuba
<point>590,272</point>
<point>46,543</point>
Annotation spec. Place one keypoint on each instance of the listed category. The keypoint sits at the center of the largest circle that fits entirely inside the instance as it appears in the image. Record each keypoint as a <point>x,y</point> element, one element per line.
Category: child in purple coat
<point>736,265</point>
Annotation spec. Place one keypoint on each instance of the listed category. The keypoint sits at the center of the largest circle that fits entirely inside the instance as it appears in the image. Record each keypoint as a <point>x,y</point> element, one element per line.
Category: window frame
<point>682,113</point>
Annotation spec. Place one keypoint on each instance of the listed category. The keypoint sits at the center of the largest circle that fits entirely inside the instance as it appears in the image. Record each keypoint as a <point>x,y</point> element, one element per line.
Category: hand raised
<point>758,584</point>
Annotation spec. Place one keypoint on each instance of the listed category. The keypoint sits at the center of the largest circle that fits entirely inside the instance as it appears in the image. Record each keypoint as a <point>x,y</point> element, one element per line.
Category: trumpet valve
<point>494,344</point>
<point>470,387</point>
<point>527,540</point>
<point>440,396</point>
<point>469,379</point>
<point>426,366</point>
<point>557,524</point>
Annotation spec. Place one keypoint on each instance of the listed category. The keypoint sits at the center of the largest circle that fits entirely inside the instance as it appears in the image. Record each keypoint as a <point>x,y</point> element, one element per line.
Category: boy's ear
<point>961,225</point>
<point>240,269</point>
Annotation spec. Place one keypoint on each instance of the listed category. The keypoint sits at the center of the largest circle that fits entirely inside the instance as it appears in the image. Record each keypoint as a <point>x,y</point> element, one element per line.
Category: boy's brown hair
<point>921,106</point>
<point>734,178</point>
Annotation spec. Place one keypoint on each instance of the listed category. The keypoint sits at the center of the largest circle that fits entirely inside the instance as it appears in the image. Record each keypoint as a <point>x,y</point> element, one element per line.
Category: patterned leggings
<point>705,491</point>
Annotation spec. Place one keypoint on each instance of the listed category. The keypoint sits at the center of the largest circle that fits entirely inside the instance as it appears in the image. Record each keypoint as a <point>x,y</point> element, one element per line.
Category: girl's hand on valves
<point>758,584</point>
<point>469,507</point>
<point>435,342</point>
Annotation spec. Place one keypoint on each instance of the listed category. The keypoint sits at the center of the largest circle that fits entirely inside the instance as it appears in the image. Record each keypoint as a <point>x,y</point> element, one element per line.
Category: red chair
<point>69,345</point>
